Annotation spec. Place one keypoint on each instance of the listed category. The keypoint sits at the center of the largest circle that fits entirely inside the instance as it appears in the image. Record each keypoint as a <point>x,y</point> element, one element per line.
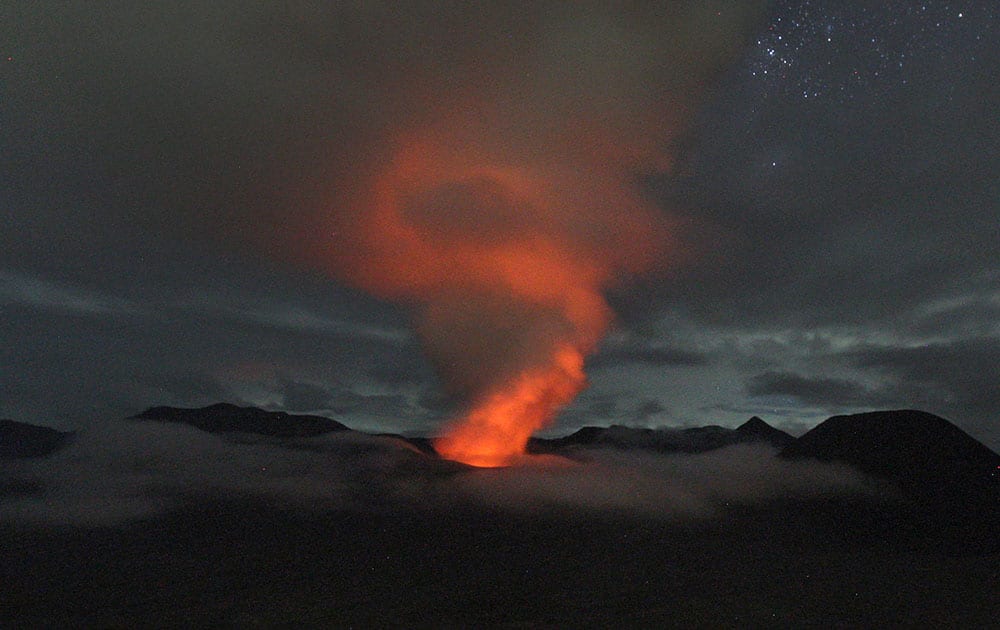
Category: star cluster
<point>815,50</point>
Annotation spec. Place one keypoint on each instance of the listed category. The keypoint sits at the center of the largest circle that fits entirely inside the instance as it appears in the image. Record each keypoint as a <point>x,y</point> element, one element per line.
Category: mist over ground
<point>121,472</point>
<point>143,523</point>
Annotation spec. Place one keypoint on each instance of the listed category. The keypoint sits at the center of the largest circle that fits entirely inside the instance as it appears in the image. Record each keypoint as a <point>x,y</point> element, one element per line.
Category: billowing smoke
<point>477,162</point>
<point>504,199</point>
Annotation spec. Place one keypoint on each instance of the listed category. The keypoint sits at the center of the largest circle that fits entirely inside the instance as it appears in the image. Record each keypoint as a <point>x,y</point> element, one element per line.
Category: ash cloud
<point>239,133</point>
<point>502,215</point>
<point>241,120</point>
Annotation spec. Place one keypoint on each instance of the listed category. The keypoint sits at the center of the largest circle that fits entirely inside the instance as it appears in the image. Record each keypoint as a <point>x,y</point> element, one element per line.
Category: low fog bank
<point>133,470</point>
<point>669,486</point>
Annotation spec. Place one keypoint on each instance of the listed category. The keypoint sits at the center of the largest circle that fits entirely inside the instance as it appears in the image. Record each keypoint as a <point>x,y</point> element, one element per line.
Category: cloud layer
<point>135,470</point>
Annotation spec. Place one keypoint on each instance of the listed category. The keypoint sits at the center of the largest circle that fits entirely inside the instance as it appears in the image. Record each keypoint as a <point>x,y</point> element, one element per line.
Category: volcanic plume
<point>501,209</point>
<point>504,264</point>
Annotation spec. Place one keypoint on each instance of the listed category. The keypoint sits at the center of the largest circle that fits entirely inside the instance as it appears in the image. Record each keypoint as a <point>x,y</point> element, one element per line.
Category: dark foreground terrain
<point>818,563</point>
<point>885,519</point>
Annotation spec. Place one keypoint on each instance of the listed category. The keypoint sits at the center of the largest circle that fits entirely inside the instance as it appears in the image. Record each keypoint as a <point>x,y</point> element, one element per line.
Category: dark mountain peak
<point>876,435</point>
<point>756,429</point>
<point>20,439</point>
<point>926,455</point>
<point>584,435</point>
<point>229,418</point>
<point>665,440</point>
<point>755,423</point>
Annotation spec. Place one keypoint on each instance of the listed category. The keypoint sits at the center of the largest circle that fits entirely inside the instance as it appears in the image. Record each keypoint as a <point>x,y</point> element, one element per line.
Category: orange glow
<point>504,261</point>
<point>495,432</point>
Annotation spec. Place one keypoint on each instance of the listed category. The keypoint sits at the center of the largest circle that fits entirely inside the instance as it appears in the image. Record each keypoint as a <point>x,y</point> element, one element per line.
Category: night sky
<point>173,179</point>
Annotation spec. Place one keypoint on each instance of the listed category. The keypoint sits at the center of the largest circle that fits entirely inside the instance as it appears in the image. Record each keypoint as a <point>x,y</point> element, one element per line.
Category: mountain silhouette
<point>913,448</point>
<point>666,440</point>
<point>21,440</point>
<point>757,429</point>
<point>949,478</point>
<point>228,418</point>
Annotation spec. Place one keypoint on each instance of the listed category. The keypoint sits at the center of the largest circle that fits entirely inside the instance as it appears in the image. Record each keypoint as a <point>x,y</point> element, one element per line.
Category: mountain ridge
<point>23,440</point>
<point>756,427</point>
<point>230,418</point>
<point>915,448</point>
<point>666,440</point>
<point>949,481</point>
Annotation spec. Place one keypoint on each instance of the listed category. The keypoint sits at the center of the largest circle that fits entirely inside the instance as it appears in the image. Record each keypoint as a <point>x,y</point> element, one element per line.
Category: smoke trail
<point>502,208</point>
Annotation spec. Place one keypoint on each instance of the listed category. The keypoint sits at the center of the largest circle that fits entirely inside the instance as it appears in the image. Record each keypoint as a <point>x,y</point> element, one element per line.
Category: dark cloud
<point>649,409</point>
<point>793,427</point>
<point>968,315</point>
<point>954,379</point>
<point>299,396</point>
<point>604,406</point>
<point>834,392</point>
<point>349,406</point>
<point>405,366</point>
<point>592,408</point>
<point>26,291</point>
<point>437,401</point>
<point>657,356</point>
<point>69,366</point>
<point>957,379</point>
<point>191,389</point>
<point>851,209</point>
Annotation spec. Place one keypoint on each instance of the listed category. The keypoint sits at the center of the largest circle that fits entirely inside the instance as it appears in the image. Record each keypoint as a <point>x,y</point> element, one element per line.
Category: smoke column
<point>503,200</point>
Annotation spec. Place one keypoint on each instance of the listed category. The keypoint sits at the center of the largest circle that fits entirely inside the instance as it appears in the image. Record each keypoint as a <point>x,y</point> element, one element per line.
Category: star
<point>881,43</point>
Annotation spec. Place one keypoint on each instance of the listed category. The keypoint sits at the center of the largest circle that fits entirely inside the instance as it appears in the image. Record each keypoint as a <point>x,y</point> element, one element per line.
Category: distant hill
<point>914,448</point>
<point>757,429</point>
<point>946,474</point>
<point>228,418</point>
<point>690,440</point>
<point>21,440</point>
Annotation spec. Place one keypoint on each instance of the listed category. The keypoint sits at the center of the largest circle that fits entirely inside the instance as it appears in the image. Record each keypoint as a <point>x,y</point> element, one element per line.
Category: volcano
<point>756,429</point>
<point>918,450</point>
<point>950,481</point>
